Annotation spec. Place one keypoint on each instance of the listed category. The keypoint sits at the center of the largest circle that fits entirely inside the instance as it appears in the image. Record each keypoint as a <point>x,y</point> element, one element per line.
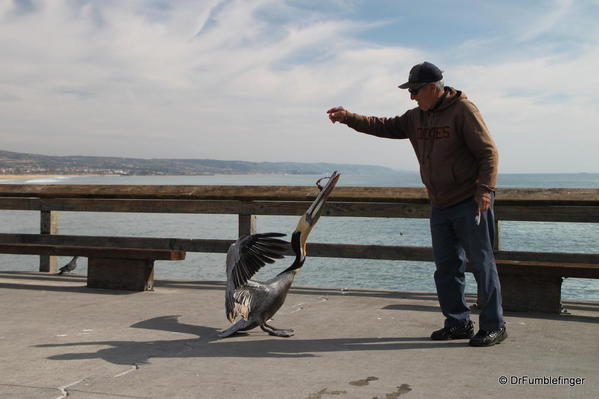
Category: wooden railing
<point>548,205</point>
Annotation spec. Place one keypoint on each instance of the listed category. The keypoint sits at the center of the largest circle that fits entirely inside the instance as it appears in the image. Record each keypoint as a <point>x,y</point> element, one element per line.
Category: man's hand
<point>337,114</point>
<point>484,202</point>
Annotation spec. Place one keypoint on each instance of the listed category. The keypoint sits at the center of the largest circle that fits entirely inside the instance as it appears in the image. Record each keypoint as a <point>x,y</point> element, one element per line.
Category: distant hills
<point>24,164</point>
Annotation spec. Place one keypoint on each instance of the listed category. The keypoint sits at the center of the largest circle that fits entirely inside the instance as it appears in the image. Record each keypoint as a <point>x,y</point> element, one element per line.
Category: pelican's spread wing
<point>245,257</point>
<point>248,254</point>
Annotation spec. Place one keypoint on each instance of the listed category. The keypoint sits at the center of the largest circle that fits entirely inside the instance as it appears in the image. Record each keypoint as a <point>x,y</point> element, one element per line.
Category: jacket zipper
<point>429,122</point>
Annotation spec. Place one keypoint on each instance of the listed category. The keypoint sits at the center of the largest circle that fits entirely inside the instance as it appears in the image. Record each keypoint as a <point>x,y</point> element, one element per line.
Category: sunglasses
<point>415,91</point>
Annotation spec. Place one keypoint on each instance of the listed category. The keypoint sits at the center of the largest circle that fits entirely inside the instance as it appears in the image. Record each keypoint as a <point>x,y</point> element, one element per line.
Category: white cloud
<point>547,21</point>
<point>543,116</point>
<point>252,80</point>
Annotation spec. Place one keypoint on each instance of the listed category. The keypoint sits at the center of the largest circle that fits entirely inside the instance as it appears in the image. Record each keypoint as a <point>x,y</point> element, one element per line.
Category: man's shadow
<point>207,344</point>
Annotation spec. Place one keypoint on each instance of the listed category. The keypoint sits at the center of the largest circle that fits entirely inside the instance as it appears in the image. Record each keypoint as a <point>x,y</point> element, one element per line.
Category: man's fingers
<point>484,204</point>
<point>336,114</point>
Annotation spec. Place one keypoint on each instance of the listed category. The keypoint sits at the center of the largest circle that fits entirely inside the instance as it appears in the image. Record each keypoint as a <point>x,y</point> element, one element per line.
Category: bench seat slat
<point>91,252</point>
<point>578,270</point>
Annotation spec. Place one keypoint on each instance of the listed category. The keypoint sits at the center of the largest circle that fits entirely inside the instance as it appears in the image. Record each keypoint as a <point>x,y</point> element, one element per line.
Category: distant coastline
<point>15,164</point>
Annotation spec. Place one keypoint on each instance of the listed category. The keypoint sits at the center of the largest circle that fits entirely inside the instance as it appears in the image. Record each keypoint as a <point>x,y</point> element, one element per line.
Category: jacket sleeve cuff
<point>484,191</point>
<point>348,118</point>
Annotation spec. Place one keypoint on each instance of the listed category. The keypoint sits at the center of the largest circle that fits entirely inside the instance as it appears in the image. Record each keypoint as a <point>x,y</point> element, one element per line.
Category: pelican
<point>256,302</point>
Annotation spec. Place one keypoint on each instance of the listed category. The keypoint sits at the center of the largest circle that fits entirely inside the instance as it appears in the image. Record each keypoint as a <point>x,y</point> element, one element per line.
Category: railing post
<point>497,233</point>
<point>247,225</point>
<point>48,225</point>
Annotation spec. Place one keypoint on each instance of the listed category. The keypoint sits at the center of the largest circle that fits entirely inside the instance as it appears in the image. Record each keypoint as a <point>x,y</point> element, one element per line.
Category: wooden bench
<point>535,286</point>
<point>107,267</point>
<point>531,281</point>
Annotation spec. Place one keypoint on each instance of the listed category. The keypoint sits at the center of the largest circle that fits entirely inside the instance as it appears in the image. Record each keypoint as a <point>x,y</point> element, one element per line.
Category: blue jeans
<point>457,239</point>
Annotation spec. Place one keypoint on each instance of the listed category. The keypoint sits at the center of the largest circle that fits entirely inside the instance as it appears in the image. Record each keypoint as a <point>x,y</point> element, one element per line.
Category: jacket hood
<point>450,97</point>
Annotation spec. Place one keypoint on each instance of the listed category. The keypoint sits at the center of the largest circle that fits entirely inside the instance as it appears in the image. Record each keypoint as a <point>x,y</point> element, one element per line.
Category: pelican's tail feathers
<point>241,325</point>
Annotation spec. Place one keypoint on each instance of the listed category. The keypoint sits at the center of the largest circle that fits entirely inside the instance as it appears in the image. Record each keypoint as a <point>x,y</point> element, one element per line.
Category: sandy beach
<point>45,176</point>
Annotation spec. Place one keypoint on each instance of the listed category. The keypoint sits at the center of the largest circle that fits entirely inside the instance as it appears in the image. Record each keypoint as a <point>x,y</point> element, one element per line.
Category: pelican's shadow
<point>207,344</point>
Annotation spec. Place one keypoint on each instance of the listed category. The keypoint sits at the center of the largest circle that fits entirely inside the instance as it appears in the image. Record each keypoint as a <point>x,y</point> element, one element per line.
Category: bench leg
<point>531,292</point>
<point>120,274</point>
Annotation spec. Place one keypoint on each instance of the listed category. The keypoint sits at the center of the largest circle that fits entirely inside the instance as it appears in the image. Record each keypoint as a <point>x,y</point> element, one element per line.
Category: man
<point>458,165</point>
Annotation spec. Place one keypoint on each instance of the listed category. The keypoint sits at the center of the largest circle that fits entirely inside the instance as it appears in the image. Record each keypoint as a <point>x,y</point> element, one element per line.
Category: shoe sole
<point>453,338</point>
<point>496,342</point>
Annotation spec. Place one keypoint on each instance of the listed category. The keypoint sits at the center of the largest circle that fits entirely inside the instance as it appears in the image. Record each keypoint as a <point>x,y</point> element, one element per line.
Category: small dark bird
<point>256,302</point>
<point>69,267</point>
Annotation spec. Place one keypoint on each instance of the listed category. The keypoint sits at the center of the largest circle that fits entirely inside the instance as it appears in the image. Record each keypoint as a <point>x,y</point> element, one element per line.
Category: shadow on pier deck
<point>58,337</point>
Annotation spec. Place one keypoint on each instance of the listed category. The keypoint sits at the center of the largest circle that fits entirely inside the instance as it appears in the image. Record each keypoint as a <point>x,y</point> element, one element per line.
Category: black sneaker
<point>489,338</point>
<point>448,333</point>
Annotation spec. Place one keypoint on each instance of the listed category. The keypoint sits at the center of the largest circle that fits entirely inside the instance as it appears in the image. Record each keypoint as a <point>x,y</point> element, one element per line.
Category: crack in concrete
<point>132,368</point>
<point>63,389</point>
<point>112,395</point>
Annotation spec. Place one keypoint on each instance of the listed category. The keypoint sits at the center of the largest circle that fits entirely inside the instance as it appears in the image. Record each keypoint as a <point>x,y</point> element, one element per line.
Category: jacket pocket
<point>464,170</point>
<point>443,178</point>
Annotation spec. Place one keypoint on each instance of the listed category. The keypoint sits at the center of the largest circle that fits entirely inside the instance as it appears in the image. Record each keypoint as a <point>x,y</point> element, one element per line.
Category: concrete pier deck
<point>59,338</point>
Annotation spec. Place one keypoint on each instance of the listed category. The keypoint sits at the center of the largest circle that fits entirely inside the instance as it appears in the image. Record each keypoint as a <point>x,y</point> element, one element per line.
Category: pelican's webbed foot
<point>276,331</point>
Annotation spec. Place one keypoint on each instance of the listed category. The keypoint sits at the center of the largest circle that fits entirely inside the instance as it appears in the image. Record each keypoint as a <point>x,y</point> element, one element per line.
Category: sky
<point>251,79</point>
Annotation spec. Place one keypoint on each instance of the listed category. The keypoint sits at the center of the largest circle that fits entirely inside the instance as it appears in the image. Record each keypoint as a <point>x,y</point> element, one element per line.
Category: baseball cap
<point>422,73</point>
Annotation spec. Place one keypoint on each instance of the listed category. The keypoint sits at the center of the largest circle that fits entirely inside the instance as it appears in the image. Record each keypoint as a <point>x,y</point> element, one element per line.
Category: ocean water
<point>322,272</point>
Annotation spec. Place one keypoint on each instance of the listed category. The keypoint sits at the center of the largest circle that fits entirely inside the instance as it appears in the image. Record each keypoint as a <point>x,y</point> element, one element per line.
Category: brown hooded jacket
<point>457,155</point>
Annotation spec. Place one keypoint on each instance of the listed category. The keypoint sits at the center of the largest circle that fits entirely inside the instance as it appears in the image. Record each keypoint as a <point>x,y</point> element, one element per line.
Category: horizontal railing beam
<point>507,196</point>
<point>242,193</point>
<point>586,214</point>
<point>535,213</point>
<point>327,250</point>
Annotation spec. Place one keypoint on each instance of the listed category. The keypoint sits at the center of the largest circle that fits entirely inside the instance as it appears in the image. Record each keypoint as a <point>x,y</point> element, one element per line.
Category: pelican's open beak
<point>311,216</point>
<point>315,210</point>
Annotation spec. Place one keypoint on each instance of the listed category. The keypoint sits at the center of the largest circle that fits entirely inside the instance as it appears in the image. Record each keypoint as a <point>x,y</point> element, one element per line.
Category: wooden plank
<point>379,252</point>
<point>553,257</point>
<point>513,196</point>
<point>356,251</point>
<point>221,246</point>
<point>120,274</point>
<point>337,209</point>
<point>548,196</point>
<point>25,204</point>
<point>548,213</point>
<point>48,225</point>
<point>176,244</point>
<point>99,252</point>
<point>49,221</point>
<point>282,193</point>
<point>550,269</point>
<point>341,209</point>
<point>531,292</point>
<point>378,210</point>
<point>246,225</point>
